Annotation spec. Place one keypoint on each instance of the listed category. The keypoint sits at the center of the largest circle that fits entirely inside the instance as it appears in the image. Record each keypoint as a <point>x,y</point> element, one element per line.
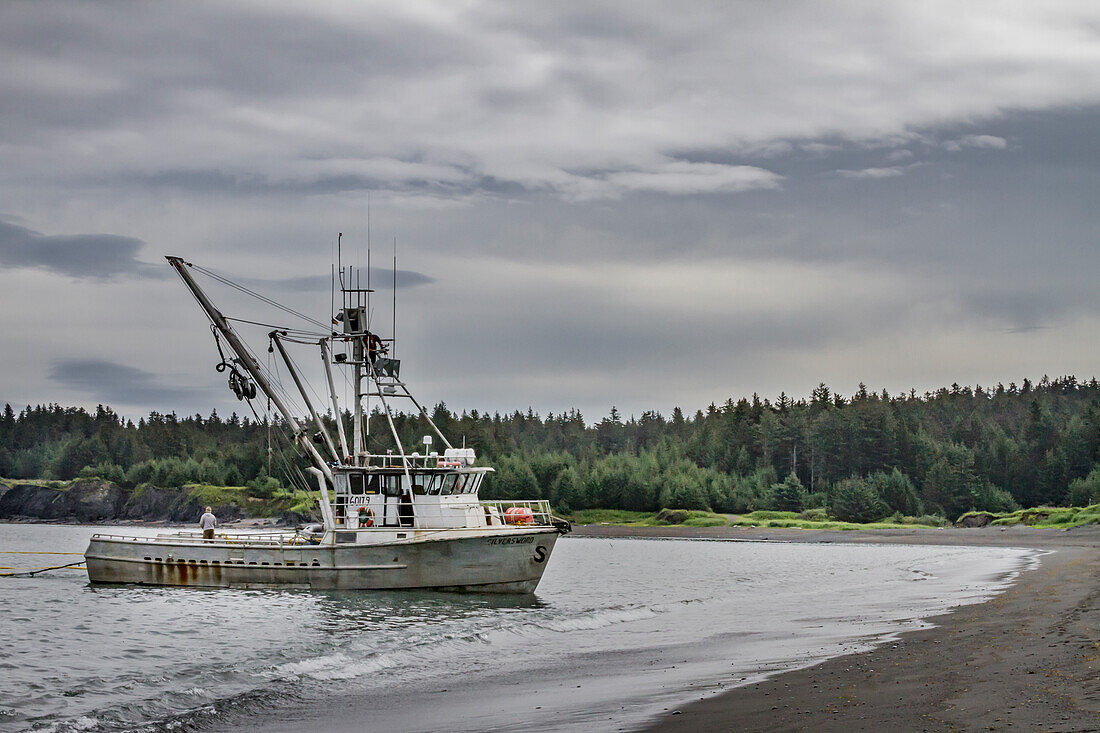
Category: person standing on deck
<point>207,522</point>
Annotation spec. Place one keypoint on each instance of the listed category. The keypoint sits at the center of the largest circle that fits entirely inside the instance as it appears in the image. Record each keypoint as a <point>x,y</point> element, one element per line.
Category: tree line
<point>858,457</point>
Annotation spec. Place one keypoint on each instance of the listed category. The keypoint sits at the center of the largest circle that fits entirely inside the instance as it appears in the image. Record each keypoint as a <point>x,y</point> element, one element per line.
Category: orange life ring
<point>370,516</point>
<point>519,515</point>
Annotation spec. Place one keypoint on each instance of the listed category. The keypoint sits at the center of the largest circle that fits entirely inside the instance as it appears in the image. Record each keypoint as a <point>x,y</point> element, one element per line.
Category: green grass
<point>10,482</point>
<point>748,520</point>
<point>706,519</point>
<point>765,515</point>
<point>1045,517</point>
<point>613,516</point>
<point>785,520</point>
<point>645,519</point>
<point>215,495</point>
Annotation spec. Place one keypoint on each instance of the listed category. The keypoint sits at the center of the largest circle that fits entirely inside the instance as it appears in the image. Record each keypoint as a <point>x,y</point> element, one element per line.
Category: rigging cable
<point>276,327</point>
<point>258,296</point>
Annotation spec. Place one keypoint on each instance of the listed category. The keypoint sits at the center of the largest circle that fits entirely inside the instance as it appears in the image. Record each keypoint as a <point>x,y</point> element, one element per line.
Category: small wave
<point>337,666</point>
<point>346,665</point>
<point>70,726</point>
<point>596,619</point>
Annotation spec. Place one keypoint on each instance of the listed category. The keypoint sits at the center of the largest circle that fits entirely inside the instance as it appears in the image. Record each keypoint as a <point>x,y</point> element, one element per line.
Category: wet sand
<point>1027,660</point>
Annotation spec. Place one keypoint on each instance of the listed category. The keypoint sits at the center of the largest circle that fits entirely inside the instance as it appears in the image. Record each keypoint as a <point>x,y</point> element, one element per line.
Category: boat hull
<point>511,562</point>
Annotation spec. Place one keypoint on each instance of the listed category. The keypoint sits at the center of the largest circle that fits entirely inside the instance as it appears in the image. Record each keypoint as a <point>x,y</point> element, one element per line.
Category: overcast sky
<point>595,204</point>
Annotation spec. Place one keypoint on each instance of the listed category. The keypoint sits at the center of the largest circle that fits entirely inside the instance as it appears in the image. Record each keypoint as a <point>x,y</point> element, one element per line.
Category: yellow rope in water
<point>29,552</point>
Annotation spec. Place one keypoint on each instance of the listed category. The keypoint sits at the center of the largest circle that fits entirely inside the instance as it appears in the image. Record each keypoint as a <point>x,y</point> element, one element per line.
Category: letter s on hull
<point>540,553</point>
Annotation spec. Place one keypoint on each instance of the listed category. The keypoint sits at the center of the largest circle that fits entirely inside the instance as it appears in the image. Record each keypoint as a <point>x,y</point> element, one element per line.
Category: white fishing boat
<point>388,521</point>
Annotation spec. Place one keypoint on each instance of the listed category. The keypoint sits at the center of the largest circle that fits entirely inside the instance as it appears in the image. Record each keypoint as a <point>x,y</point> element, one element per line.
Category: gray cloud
<point>988,142</point>
<point>873,173</point>
<point>76,255</point>
<point>381,279</point>
<point>120,384</point>
<point>558,98</point>
<point>517,150</point>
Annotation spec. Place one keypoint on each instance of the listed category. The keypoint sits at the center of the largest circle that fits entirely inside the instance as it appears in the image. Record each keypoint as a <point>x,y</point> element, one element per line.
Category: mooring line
<point>29,573</point>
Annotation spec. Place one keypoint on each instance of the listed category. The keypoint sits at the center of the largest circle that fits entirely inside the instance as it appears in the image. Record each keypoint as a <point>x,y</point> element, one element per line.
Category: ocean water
<point>618,632</point>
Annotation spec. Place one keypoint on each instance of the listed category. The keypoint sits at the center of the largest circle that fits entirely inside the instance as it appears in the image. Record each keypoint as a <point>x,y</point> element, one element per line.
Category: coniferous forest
<point>861,457</point>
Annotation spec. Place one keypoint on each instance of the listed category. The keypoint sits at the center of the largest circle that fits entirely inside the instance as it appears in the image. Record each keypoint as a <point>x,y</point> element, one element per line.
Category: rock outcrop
<point>96,500</point>
<point>672,516</point>
<point>977,519</point>
<point>86,500</point>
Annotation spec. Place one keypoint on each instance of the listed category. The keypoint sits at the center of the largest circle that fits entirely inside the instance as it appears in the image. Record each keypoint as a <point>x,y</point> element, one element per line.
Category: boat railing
<point>418,460</point>
<point>273,538</point>
<point>531,512</point>
<point>220,537</point>
<point>495,513</point>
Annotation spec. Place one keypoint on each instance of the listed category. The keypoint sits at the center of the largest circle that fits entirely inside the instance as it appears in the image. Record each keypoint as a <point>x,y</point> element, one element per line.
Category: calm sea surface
<point>618,632</point>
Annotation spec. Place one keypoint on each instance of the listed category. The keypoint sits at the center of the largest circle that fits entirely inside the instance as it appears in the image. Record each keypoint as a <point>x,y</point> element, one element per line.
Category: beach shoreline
<point>1028,659</point>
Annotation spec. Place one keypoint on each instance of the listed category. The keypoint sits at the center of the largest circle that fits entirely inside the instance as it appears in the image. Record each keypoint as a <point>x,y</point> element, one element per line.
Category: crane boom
<point>249,363</point>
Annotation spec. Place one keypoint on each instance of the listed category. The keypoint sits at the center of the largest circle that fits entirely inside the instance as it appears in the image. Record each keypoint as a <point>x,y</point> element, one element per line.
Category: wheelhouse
<point>424,492</point>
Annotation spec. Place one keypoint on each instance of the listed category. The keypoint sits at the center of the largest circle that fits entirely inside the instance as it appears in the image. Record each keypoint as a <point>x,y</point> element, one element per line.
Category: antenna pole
<point>366,411</point>
<point>393,344</point>
<point>357,357</point>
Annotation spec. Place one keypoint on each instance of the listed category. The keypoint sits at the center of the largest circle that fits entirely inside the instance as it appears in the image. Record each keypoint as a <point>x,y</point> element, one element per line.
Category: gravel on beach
<point>1029,659</point>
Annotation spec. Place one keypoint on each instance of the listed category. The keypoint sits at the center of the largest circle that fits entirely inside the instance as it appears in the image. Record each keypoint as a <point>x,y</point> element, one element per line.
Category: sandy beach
<point>1027,660</point>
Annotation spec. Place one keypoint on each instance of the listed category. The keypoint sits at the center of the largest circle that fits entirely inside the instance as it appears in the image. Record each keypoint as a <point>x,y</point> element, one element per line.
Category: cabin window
<point>393,485</point>
<point>433,483</point>
<point>358,483</point>
<point>460,484</point>
<point>448,484</point>
<point>374,484</point>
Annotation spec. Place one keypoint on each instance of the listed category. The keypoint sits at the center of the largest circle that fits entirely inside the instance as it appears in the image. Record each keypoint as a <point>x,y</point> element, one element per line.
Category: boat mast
<point>246,360</point>
<point>357,357</point>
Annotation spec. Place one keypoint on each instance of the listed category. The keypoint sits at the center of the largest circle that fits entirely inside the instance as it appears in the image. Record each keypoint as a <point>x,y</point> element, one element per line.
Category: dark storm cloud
<point>381,279</point>
<point>119,384</point>
<point>79,56</point>
<point>75,255</point>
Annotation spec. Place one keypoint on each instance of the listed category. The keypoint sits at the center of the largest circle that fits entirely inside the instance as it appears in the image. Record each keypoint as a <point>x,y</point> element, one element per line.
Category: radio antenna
<point>368,261</point>
<point>393,345</point>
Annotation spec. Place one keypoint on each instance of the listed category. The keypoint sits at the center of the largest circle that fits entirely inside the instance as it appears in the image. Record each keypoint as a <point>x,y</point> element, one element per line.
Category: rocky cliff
<point>95,500</point>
